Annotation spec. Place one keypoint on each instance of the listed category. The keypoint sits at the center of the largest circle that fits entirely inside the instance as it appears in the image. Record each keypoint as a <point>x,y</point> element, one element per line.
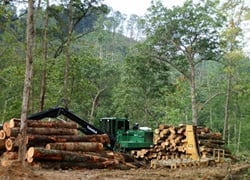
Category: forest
<point>179,65</point>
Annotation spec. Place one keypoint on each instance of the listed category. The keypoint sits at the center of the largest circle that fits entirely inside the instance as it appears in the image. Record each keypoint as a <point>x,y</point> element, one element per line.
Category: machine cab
<point>111,125</point>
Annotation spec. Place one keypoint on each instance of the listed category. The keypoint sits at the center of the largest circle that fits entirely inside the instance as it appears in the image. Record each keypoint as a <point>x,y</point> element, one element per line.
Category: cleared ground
<point>223,171</point>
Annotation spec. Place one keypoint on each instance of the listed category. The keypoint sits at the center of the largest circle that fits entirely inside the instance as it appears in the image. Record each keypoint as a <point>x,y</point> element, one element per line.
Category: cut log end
<point>2,134</point>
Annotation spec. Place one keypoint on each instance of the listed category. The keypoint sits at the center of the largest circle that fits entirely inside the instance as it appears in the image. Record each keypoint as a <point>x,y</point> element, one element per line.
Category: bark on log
<point>214,136</point>
<point>76,146</point>
<point>12,132</point>
<point>33,140</point>
<point>202,130</point>
<point>43,124</point>
<point>211,143</point>
<point>51,131</point>
<point>2,144</point>
<point>42,154</point>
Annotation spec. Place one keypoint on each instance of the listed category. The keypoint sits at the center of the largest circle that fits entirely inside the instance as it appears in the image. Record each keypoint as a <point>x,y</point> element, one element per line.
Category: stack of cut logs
<point>208,141</point>
<point>57,144</point>
<point>170,142</point>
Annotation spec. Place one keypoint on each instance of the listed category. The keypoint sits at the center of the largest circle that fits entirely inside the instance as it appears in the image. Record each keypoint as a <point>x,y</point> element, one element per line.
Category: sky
<point>138,7</point>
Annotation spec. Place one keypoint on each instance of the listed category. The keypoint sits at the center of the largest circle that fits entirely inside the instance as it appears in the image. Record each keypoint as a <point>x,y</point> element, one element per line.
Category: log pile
<point>57,144</point>
<point>170,143</point>
<point>209,140</point>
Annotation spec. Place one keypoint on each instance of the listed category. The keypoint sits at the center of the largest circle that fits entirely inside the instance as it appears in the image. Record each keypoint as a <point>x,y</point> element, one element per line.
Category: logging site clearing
<point>224,171</point>
<point>56,150</point>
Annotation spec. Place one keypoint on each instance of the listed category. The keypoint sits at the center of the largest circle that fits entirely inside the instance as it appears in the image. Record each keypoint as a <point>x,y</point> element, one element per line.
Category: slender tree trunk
<point>226,110</point>
<point>68,55</point>
<point>239,138</point>
<point>193,94</point>
<point>45,58</point>
<point>238,119</point>
<point>27,81</point>
<point>94,103</point>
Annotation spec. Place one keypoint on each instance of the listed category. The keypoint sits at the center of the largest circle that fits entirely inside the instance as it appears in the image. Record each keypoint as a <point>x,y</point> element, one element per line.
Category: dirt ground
<point>223,171</point>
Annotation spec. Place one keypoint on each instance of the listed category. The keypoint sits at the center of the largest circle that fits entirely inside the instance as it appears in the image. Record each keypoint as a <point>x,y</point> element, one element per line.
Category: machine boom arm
<point>86,128</point>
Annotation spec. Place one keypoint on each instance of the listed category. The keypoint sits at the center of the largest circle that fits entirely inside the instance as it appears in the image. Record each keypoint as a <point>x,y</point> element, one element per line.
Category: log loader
<point>122,138</point>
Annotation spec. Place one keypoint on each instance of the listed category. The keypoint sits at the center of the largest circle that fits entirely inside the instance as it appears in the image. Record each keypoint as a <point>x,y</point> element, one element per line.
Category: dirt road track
<point>237,172</point>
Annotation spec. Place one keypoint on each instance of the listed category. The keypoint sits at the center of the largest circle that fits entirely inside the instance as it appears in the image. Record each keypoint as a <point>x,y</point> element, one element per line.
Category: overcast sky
<point>137,7</point>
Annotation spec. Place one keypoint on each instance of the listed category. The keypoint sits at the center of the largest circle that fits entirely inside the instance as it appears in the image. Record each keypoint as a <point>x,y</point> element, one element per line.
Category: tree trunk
<point>28,79</point>
<point>45,57</point>
<point>193,94</point>
<point>239,138</point>
<point>68,55</point>
<point>94,103</point>
<point>226,111</point>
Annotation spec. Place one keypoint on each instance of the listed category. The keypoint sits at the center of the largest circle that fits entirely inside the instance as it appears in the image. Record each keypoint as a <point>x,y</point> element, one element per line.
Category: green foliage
<point>139,93</point>
<point>184,34</point>
<point>11,91</point>
<point>178,103</point>
<point>114,75</point>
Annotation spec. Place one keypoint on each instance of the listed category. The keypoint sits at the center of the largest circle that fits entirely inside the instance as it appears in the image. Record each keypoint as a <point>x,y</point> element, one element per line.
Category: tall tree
<point>45,57</point>
<point>27,81</point>
<point>185,36</point>
<point>73,14</point>
<point>235,12</point>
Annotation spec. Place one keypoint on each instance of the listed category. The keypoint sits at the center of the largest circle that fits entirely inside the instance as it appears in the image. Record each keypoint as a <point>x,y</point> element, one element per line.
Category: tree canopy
<point>176,65</point>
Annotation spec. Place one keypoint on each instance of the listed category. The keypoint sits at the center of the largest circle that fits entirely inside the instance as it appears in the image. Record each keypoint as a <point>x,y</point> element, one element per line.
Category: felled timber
<point>170,143</point>
<point>214,143</point>
<point>43,131</point>
<point>214,136</point>
<point>33,140</point>
<point>12,132</point>
<point>11,144</point>
<point>6,126</point>
<point>43,154</point>
<point>76,146</point>
<point>2,134</point>
<point>10,155</point>
<point>2,144</point>
<point>43,124</point>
